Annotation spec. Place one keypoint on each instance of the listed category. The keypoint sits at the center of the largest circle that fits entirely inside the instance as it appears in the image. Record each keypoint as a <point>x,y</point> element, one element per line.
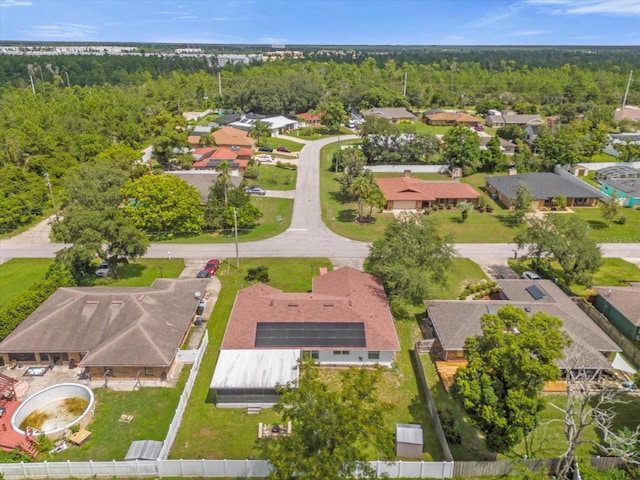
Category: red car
<point>479,128</point>
<point>211,266</point>
<point>283,149</point>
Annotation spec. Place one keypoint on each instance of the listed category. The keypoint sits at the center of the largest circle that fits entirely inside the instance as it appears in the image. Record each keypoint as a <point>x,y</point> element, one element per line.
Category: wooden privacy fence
<point>630,351</point>
<point>421,377</point>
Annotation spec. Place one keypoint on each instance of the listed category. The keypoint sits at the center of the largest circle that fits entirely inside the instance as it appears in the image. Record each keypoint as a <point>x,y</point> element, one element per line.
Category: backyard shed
<point>408,440</point>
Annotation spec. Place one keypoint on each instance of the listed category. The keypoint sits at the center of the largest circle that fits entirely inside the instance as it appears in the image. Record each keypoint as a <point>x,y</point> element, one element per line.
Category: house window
<point>148,371</point>
<point>373,355</point>
<point>315,354</point>
<point>341,352</point>
<point>22,357</point>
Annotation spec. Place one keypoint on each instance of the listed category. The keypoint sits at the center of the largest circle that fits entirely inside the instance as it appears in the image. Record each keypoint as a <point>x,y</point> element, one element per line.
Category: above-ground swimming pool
<point>55,409</point>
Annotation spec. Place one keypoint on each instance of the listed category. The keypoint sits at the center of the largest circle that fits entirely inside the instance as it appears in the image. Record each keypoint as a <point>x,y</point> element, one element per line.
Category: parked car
<point>283,149</point>
<point>203,274</point>
<point>479,128</point>
<point>103,270</point>
<point>211,266</point>
<point>264,158</point>
<point>265,149</point>
<point>530,275</point>
<point>255,190</point>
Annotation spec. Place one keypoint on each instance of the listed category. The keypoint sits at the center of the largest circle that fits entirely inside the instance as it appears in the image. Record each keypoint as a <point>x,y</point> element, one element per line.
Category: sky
<point>325,22</point>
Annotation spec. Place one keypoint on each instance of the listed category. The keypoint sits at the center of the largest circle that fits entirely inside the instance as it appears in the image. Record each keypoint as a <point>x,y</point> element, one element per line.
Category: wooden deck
<point>446,371</point>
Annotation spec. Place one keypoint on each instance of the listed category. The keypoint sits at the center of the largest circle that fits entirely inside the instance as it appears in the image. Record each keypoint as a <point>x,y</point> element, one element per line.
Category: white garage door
<point>404,205</point>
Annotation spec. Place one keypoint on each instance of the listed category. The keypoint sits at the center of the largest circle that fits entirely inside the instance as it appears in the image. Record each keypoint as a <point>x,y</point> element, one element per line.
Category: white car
<point>264,158</point>
<point>530,276</point>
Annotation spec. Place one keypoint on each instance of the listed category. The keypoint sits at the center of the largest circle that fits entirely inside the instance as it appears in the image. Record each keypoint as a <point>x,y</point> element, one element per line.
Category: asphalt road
<point>307,236</point>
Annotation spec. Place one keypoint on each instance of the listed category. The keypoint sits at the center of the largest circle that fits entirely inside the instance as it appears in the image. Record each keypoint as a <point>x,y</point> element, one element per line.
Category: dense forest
<point>110,107</point>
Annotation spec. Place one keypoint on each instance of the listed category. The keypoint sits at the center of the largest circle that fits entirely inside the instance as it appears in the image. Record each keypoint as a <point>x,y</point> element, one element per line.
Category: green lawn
<point>142,272</point>
<point>269,225</point>
<point>275,142</point>
<point>210,432</point>
<point>271,177</point>
<point>152,410</point>
<point>549,441</point>
<point>603,157</point>
<point>339,212</point>
<point>317,133</point>
<point>462,272</point>
<point>613,272</point>
<point>616,233</point>
<point>18,274</point>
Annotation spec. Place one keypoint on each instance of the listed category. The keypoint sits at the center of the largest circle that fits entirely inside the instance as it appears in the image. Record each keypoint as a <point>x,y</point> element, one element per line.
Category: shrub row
<point>482,289</point>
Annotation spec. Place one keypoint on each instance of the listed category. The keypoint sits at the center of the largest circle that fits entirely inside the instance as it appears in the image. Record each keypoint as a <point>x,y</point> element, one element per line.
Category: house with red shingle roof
<point>233,137</point>
<point>345,320</point>
<point>209,158</point>
<point>407,193</point>
<point>310,119</point>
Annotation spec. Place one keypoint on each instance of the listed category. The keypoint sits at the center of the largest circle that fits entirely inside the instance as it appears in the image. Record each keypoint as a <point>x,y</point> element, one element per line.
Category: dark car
<point>103,270</point>
<point>203,274</point>
<point>479,128</point>
<point>211,266</point>
<point>265,149</point>
<point>284,149</point>
<point>255,190</point>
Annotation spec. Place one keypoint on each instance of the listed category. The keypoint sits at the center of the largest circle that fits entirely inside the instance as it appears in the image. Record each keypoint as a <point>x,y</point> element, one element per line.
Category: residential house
<point>506,147</point>
<point>497,121</point>
<point>278,124</point>
<point>203,180</point>
<point>393,114</point>
<point>621,305</point>
<point>452,322</point>
<point>629,112</point>
<point>119,331</point>
<point>407,193</point>
<point>345,320</point>
<point>626,189</point>
<point>232,137</point>
<point>451,118</point>
<point>531,133</point>
<point>212,157</point>
<point>543,187</point>
<point>309,119</point>
<point>227,119</point>
<point>618,139</point>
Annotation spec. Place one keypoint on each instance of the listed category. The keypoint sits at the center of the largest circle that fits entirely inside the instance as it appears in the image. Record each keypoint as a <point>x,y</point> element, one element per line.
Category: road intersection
<point>307,236</point>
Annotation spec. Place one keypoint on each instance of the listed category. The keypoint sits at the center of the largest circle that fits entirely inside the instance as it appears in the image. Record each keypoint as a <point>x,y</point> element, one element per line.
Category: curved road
<point>307,236</point>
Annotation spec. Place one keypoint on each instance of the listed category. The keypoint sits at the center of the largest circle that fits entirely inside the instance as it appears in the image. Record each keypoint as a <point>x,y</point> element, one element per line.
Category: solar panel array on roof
<point>535,292</point>
<point>291,334</point>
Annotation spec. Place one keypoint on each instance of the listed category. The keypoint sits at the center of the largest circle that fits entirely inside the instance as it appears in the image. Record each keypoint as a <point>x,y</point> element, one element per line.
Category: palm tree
<point>224,174</point>
<point>465,207</point>
<point>376,199</point>
<point>360,188</point>
<point>260,129</point>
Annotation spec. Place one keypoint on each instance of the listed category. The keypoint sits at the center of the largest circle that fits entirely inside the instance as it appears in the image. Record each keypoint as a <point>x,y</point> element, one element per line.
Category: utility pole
<point>53,200</point>
<point>219,84</point>
<point>33,87</point>
<point>235,227</point>
<point>624,101</point>
<point>67,75</point>
<point>404,88</point>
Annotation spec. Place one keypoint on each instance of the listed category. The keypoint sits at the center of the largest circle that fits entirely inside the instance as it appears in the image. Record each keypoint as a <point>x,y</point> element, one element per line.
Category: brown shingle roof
<point>345,295</point>
<point>459,117</point>
<point>230,137</point>
<point>407,188</point>
<point>116,326</point>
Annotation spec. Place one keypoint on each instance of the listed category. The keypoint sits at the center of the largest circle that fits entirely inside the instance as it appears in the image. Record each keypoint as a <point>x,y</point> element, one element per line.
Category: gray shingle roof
<point>630,186</point>
<point>624,299</point>
<point>543,186</point>
<point>455,321</point>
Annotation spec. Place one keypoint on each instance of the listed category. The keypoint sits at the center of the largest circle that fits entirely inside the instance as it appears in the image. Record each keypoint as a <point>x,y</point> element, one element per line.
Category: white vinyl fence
<point>199,468</point>
<point>184,399</point>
